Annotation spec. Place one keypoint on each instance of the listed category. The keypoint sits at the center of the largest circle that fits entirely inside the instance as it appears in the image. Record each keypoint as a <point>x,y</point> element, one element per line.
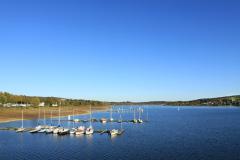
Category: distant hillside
<point>219,101</point>
<point>8,98</point>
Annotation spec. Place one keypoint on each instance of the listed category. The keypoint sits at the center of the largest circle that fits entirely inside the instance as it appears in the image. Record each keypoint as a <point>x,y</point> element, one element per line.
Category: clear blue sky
<point>115,50</point>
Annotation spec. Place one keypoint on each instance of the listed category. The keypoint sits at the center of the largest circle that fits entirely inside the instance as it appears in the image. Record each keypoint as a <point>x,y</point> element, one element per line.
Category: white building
<point>54,105</point>
<point>42,104</point>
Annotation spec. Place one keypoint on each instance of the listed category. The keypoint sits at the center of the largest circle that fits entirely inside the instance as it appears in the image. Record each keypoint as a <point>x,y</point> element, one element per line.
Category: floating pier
<point>99,120</point>
<point>105,131</point>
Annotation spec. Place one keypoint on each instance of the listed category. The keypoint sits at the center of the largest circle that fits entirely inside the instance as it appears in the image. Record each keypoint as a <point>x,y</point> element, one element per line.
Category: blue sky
<point>118,50</point>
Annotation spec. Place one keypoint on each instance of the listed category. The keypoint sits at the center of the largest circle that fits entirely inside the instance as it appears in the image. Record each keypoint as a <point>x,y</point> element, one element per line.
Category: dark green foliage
<point>49,101</point>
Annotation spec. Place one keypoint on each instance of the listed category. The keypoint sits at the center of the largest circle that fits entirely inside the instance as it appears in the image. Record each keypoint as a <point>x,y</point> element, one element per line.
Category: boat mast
<point>44,116</point>
<point>39,115</point>
<point>90,115</point>
<point>121,120</point>
<point>139,113</point>
<point>111,113</point>
<point>51,117</point>
<point>22,118</point>
<point>59,115</point>
<point>134,113</point>
<point>73,119</point>
<point>147,113</point>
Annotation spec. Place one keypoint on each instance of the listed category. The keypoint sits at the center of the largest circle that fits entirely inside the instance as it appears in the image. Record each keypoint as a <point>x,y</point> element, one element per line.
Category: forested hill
<point>220,101</point>
<point>6,98</point>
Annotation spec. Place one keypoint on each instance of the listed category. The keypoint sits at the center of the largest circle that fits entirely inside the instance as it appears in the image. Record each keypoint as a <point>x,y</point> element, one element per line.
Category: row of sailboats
<point>50,129</point>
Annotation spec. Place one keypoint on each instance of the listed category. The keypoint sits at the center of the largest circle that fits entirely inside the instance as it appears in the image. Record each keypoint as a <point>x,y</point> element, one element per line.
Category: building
<point>42,104</point>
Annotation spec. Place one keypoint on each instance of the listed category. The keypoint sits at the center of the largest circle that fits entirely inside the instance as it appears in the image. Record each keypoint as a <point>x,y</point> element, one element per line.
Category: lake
<point>205,133</point>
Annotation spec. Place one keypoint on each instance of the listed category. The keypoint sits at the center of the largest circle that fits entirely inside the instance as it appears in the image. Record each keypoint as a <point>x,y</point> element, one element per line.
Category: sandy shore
<point>14,114</point>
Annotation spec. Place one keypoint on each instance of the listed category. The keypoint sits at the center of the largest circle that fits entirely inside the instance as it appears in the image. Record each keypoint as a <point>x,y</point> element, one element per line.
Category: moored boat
<point>80,130</point>
<point>73,131</point>
<point>63,131</point>
<point>89,130</point>
<point>114,132</point>
<point>21,129</point>
<point>103,120</point>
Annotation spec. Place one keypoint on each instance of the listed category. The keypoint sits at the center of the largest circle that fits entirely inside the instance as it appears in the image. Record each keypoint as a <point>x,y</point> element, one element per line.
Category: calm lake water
<point>192,133</point>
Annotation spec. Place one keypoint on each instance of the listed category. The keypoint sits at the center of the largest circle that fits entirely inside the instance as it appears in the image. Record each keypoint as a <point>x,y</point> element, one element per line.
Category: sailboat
<point>73,130</point>
<point>115,132</point>
<point>139,115</point>
<point>103,120</point>
<point>111,119</point>
<point>58,128</point>
<point>38,127</point>
<point>134,117</point>
<point>21,129</point>
<point>63,131</point>
<point>120,118</point>
<point>80,130</point>
<point>43,128</point>
<point>51,128</point>
<point>90,129</point>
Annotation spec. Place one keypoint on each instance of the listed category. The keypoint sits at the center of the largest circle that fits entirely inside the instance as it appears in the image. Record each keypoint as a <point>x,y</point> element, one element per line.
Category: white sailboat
<point>134,116</point>
<point>103,120</point>
<point>21,129</point>
<point>139,115</point>
<point>51,128</point>
<point>73,130</point>
<point>43,128</point>
<point>111,119</point>
<point>63,131</point>
<point>80,130</point>
<point>56,130</point>
<point>90,129</point>
<point>115,132</point>
<point>38,127</point>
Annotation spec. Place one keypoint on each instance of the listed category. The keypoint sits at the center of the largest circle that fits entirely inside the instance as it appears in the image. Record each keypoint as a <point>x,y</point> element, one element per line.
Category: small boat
<point>139,115</point>
<point>33,131</point>
<point>73,131</point>
<point>140,121</point>
<point>103,120</point>
<point>36,129</point>
<point>76,120</point>
<point>20,130</point>
<point>134,117</point>
<point>56,130</point>
<point>89,130</point>
<point>63,131</point>
<point>42,130</point>
<point>80,130</point>
<point>134,121</point>
<point>113,132</point>
<point>49,130</point>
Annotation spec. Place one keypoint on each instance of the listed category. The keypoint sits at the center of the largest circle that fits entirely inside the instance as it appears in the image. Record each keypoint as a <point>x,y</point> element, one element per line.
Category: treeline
<point>220,101</point>
<point>6,97</point>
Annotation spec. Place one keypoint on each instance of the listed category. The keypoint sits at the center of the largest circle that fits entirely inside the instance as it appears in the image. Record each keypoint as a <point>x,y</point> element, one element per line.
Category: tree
<point>3,99</point>
<point>34,101</point>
